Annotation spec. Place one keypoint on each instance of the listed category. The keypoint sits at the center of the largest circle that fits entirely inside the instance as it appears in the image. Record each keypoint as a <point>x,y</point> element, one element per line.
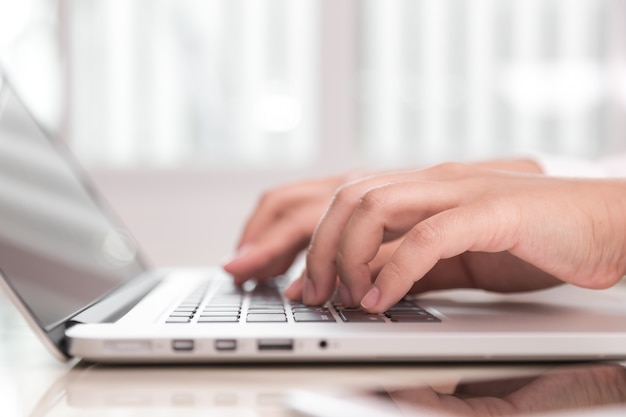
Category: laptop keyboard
<point>266,304</point>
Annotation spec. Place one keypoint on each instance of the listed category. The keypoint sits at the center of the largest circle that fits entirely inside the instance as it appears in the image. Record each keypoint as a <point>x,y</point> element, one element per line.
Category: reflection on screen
<point>58,248</point>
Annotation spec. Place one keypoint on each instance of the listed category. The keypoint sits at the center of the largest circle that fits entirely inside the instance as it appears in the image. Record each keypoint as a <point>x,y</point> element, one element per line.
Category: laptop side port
<point>224,345</point>
<point>183,345</point>
<point>275,344</point>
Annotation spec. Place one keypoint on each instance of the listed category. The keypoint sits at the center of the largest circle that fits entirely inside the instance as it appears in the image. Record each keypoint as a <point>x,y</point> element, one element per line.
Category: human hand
<point>561,389</point>
<point>280,227</point>
<point>283,221</point>
<point>463,226</point>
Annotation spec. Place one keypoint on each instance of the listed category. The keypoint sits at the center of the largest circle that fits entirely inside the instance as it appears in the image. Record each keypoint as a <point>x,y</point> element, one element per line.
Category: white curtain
<point>236,83</point>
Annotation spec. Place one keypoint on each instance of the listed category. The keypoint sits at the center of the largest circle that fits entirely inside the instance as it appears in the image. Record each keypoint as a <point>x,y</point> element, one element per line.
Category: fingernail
<point>371,298</point>
<point>345,296</point>
<point>308,294</point>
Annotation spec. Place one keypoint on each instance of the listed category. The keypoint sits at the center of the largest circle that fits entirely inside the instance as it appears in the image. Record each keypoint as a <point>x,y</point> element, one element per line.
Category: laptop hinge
<point>117,303</point>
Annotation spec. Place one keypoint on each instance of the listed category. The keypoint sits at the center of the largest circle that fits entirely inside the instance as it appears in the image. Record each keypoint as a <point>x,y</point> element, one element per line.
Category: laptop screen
<point>59,249</point>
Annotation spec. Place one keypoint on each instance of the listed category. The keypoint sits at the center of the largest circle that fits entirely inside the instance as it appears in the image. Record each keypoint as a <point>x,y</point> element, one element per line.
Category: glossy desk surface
<point>33,383</point>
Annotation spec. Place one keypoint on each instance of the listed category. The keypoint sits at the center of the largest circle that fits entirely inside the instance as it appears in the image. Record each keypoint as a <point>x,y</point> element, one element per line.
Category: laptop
<point>78,277</point>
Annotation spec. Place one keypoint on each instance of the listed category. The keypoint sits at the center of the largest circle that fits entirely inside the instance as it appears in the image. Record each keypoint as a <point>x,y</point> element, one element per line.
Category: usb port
<point>183,345</point>
<point>275,344</point>
<point>225,344</point>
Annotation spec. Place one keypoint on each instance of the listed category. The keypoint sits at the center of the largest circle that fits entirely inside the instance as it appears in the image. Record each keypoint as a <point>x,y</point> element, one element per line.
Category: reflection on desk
<point>577,387</point>
<point>597,389</point>
<point>264,390</point>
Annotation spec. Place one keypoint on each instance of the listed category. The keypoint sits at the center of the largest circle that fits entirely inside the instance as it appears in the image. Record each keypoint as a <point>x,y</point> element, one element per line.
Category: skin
<point>498,226</point>
<point>573,388</point>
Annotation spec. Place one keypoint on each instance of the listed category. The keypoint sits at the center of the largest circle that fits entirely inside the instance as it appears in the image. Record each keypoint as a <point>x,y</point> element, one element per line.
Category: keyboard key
<point>358,309</point>
<point>226,301</point>
<point>188,305</point>
<point>404,303</point>
<point>178,319</point>
<point>309,310</point>
<point>360,317</point>
<point>181,314</point>
<point>406,308</point>
<point>414,319</point>
<point>219,314</point>
<point>218,319</point>
<point>185,309</point>
<point>266,318</point>
<point>296,304</point>
<point>266,304</point>
<point>255,310</point>
<point>221,308</point>
<point>313,317</point>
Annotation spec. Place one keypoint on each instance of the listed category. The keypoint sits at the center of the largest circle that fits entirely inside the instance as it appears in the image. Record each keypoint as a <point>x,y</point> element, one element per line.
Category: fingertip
<point>239,258</point>
<point>238,277</point>
<point>294,290</point>
<point>239,267</point>
<point>228,267</point>
<point>383,295</point>
<point>371,299</point>
<point>240,280</point>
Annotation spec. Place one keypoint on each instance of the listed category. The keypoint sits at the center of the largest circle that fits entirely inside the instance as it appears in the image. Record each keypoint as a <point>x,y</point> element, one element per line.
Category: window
<point>472,79</point>
<point>221,83</point>
<point>277,83</point>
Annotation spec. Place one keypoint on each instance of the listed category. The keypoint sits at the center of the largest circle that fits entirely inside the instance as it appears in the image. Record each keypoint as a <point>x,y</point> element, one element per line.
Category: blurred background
<point>184,111</point>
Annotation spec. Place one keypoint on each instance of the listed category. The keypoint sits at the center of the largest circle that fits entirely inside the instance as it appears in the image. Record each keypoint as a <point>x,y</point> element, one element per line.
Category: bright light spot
<point>14,16</point>
<point>118,248</point>
<point>277,113</point>
<point>563,86</point>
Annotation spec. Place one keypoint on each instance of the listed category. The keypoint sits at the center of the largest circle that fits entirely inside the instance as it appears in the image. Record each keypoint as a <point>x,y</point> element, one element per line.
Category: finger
<point>285,199</point>
<point>294,290</point>
<point>272,270</point>
<point>271,253</point>
<point>474,227</point>
<point>385,211</point>
<point>446,274</point>
<point>381,258</point>
<point>322,252</point>
<point>270,206</point>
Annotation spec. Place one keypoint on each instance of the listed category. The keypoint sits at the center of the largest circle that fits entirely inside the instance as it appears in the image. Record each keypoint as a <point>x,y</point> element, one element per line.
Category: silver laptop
<point>77,276</point>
